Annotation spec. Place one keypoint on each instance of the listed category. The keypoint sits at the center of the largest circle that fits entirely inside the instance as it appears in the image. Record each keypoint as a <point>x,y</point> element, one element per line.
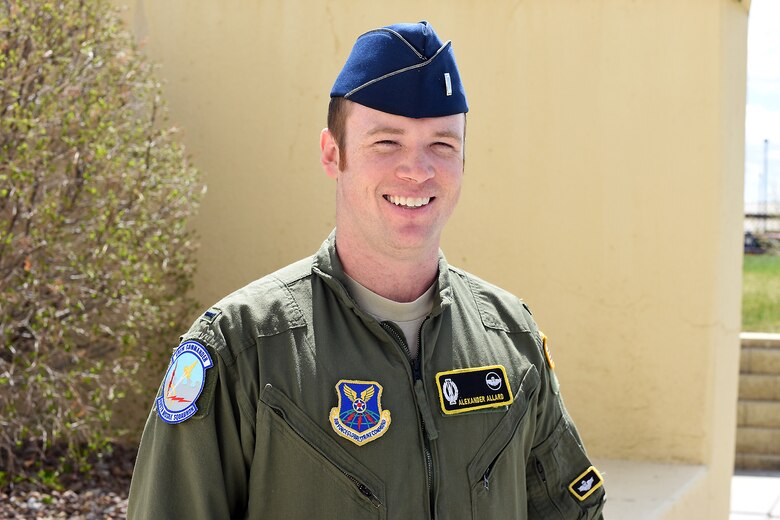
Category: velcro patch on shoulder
<point>211,315</point>
<point>468,389</point>
<point>586,484</point>
<point>184,382</point>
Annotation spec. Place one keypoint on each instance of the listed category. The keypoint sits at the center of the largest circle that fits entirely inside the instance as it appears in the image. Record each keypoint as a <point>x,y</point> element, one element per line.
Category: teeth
<point>410,202</point>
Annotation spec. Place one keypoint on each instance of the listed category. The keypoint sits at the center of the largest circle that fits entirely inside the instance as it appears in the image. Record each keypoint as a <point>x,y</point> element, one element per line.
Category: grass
<point>761,293</point>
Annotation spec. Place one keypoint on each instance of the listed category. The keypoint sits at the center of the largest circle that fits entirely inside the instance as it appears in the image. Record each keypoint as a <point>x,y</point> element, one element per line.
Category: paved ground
<point>755,496</point>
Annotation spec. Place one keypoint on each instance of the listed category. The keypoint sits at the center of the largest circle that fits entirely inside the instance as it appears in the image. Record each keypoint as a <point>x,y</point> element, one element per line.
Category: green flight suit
<point>261,444</point>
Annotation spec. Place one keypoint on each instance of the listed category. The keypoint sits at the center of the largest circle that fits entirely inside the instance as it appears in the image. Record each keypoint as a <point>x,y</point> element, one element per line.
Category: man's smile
<point>409,202</point>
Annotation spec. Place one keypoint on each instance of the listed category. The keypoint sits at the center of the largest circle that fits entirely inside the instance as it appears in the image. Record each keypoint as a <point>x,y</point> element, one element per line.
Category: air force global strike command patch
<point>183,382</point>
<point>359,416</point>
<point>468,389</point>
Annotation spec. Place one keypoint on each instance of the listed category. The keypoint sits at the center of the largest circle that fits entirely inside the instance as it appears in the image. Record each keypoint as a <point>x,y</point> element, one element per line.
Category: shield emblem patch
<point>359,416</point>
<point>184,382</point>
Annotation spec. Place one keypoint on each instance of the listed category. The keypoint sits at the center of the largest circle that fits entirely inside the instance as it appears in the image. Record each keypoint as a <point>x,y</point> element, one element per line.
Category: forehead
<point>362,120</point>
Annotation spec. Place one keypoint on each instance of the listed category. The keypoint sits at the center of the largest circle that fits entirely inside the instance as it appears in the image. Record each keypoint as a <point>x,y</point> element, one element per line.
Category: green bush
<point>95,255</point>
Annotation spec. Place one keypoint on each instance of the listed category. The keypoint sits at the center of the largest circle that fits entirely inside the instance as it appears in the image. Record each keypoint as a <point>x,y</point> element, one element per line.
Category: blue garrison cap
<point>403,69</point>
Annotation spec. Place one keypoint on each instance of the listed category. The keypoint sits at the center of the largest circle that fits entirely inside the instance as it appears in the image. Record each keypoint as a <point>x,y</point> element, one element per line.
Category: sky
<point>762,115</point>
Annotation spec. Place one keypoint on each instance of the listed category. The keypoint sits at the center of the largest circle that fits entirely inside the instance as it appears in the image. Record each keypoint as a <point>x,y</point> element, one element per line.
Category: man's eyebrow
<point>450,133</point>
<point>386,130</point>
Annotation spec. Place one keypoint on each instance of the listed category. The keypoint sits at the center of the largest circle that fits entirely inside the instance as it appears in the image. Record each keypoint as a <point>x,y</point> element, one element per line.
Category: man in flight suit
<point>372,379</point>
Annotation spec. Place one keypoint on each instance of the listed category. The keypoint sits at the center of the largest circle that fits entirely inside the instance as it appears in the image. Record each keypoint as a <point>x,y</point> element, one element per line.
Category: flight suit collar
<point>327,265</point>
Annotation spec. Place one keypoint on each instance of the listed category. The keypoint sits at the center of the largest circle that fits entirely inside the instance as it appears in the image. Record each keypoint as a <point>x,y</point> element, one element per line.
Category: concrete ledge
<point>757,462</point>
<point>650,490</point>
<point>759,387</point>
<point>763,414</point>
<point>761,441</point>
<point>759,360</point>
<point>759,339</point>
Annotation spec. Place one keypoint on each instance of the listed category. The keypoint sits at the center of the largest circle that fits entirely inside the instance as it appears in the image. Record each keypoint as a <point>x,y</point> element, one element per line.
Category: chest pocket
<point>497,472</point>
<point>302,473</point>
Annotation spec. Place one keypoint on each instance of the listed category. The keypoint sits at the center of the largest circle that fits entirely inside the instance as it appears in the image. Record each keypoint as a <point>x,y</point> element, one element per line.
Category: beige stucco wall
<point>603,181</point>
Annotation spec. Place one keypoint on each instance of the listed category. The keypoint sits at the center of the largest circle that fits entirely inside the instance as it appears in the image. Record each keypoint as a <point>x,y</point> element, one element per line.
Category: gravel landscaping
<point>99,494</point>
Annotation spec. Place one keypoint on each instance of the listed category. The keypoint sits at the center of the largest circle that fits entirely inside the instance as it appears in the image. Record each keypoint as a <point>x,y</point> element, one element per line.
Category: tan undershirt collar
<point>407,315</point>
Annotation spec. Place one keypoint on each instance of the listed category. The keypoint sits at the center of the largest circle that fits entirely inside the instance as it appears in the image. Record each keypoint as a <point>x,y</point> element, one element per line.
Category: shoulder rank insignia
<point>359,416</point>
<point>183,382</point>
<point>586,484</point>
<point>468,389</point>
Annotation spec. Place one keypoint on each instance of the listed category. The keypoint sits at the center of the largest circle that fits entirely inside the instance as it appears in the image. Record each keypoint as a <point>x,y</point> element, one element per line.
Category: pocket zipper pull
<point>540,470</point>
<point>365,490</point>
<point>486,476</point>
<point>370,494</point>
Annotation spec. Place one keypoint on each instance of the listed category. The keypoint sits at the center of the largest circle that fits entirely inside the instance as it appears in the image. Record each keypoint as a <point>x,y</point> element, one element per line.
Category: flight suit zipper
<point>417,376</point>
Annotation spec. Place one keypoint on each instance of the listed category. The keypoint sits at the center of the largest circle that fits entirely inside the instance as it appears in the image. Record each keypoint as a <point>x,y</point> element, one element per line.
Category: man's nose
<point>417,168</point>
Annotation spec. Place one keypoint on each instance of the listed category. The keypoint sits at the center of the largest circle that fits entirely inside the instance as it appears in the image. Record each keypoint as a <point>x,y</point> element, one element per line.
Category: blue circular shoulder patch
<point>183,382</point>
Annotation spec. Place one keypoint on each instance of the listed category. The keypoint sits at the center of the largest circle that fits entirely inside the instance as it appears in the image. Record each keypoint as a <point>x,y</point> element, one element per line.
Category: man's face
<point>401,181</point>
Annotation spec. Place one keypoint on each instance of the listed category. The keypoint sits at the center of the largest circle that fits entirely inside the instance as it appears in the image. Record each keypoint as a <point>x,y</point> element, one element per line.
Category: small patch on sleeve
<point>211,315</point>
<point>586,484</point>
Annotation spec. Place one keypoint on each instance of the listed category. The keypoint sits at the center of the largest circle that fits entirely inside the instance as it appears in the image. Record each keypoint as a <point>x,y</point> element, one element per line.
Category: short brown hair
<point>338,110</point>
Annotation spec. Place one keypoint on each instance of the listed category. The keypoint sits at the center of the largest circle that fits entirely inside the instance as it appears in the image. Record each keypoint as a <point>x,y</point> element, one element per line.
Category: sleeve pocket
<point>562,482</point>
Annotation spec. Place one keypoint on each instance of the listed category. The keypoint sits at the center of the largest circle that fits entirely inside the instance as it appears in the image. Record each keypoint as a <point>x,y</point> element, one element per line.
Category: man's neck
<point>401,278</point>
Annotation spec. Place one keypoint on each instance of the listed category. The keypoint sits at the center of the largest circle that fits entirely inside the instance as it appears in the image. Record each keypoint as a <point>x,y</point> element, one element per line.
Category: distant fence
<point>762,217</point>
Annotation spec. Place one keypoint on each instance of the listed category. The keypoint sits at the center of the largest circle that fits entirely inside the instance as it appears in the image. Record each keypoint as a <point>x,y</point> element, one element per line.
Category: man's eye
<point>443,145</point>
<point>386,145</point>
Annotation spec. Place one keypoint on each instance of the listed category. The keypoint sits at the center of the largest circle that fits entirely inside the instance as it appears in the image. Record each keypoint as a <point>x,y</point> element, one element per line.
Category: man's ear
<point>329,154</point>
